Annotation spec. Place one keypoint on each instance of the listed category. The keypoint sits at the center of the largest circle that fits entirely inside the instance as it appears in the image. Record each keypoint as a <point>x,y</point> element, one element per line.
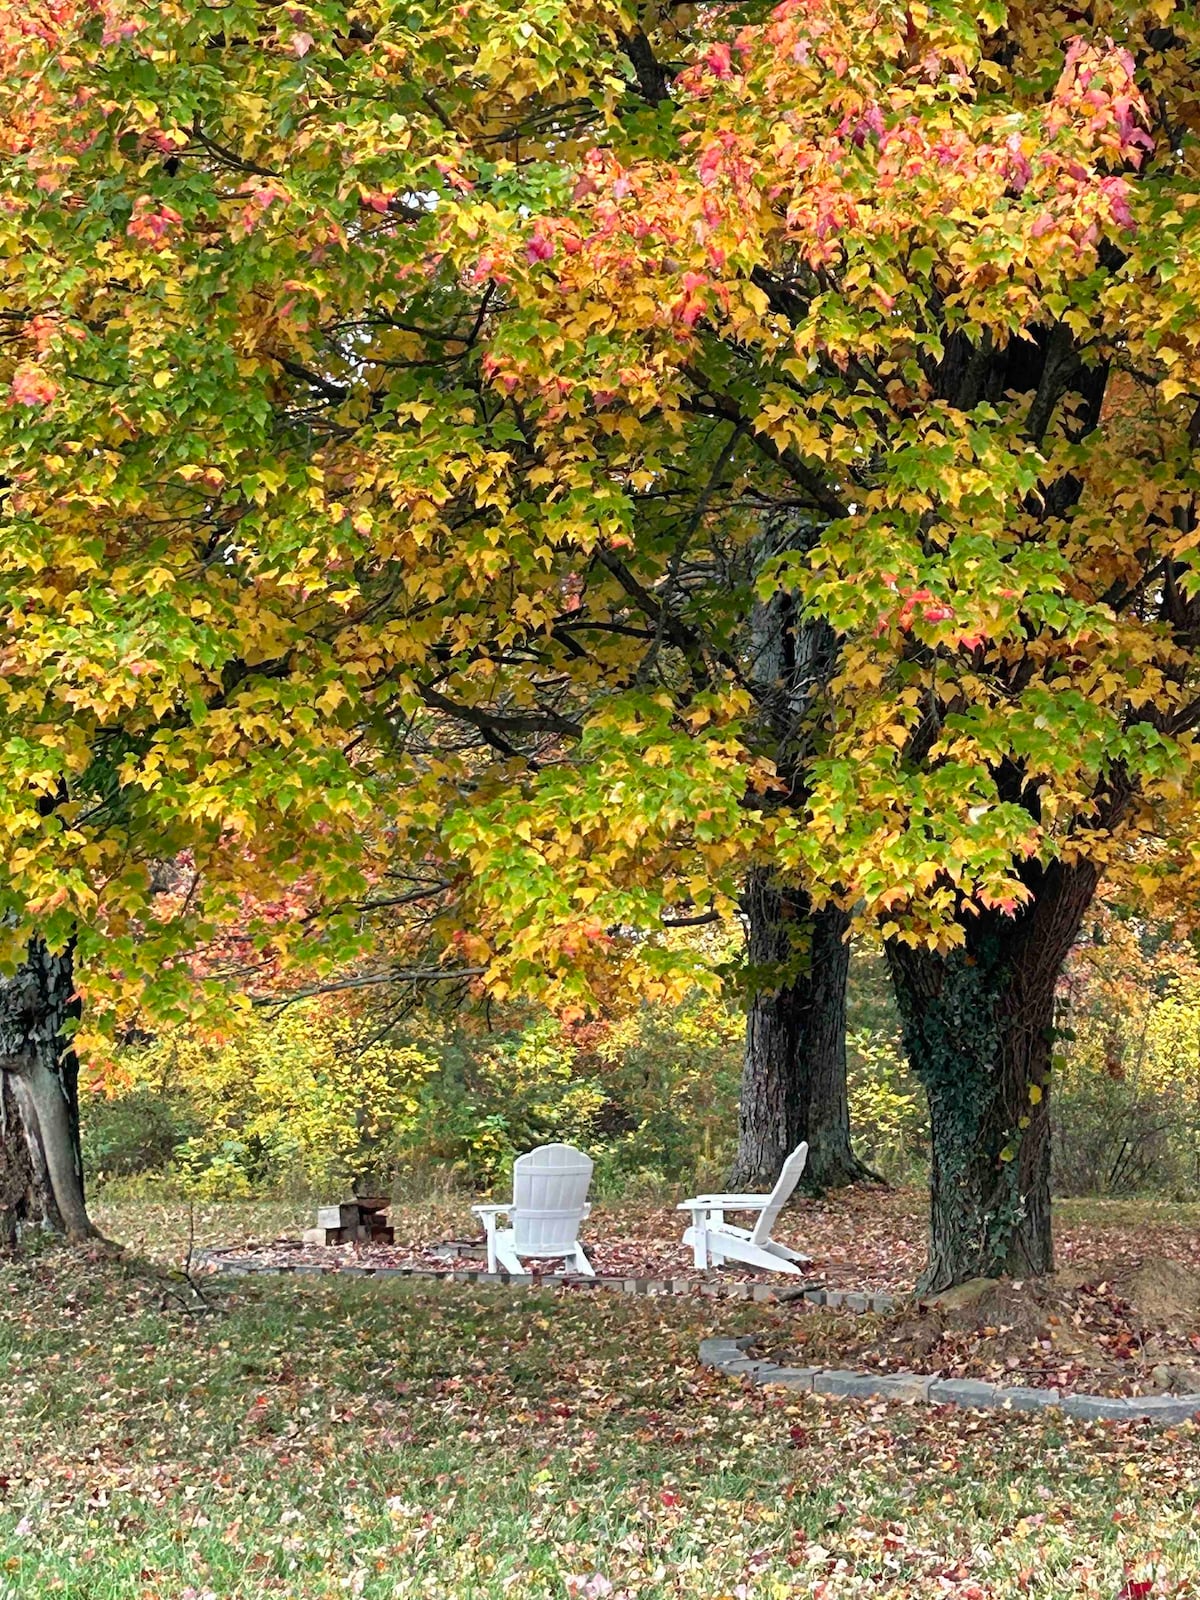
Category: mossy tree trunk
<point>979,1028</point>
<point>41,1169</point>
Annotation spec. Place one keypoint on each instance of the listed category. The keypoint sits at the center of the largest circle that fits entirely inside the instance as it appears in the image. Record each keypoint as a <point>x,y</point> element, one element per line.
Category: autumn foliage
<point>409,410</point>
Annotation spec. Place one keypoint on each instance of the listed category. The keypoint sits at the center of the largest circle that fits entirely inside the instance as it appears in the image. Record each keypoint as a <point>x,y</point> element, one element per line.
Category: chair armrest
<point>484,1212</point>
<point>726,1202</point>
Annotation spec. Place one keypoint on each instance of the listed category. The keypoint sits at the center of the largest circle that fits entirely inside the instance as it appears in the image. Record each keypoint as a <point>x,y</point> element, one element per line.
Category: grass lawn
<point>336,1438</point>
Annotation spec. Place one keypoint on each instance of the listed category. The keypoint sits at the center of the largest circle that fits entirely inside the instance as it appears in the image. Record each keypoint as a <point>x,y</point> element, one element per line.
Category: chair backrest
<point>789,1177</point>
<point>550,1186</point>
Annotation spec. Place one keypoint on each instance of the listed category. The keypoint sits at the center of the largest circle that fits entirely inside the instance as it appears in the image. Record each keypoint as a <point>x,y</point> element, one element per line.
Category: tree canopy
<point>409,407</point>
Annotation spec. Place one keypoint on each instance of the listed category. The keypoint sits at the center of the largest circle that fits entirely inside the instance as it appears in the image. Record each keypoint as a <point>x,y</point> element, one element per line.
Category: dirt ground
<point>1113,1328</point>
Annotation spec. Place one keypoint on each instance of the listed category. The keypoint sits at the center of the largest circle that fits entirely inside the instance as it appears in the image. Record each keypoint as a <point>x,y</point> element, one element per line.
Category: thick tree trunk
<point>794,1073</point>
<point>978,1027</point>
<point>41,1170</point>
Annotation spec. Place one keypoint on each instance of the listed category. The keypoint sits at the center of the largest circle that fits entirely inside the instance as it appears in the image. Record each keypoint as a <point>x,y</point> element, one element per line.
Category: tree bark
<point>979,1027</point>
<point>794,1073</point>
<point>41,1168</point>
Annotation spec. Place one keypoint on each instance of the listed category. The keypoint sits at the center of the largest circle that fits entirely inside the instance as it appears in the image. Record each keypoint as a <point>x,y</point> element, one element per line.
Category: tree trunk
<point>978,1027</point>
<point>41,1169</point>
<point>794,1074</point>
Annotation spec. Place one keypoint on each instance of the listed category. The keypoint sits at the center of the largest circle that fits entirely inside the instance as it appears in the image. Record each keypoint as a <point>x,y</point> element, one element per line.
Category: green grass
<point>387,1439</point>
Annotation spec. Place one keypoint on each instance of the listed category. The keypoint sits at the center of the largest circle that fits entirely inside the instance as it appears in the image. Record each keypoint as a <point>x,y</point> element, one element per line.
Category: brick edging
<point>728,1356</point>
<point>732,1289</point>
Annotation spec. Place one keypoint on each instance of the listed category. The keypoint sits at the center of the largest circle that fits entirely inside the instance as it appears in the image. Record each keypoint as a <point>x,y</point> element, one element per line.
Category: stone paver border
<point>732,1289</point>
<point>728,1356</point>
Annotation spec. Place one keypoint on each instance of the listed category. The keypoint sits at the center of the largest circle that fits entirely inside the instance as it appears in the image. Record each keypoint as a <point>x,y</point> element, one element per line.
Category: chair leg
<point>582,1264</point>
<point>698,1237</point>
<point>489,1228</point>
<point>700,1240</point>
<point>507,1256</point>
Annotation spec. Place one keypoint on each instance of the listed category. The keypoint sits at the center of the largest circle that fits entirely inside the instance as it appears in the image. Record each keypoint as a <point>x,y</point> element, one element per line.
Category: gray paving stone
<point>908,1386</point>
<point>726,1355</point>
<point>857,1302</point>
<point>762,1291</point>
<point>1099,1408</point>
<point>1022,1398</point>
<point>742,1364</point>
<point>963,1392</point>
<point>1167,1408</point>
<point>815,1297</point>
<point>850,1385</point>
<point>786,1377</point>
<point>715,1351</point>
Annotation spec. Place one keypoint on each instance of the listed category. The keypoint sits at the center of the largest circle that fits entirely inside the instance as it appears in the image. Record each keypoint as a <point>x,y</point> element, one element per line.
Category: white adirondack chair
<point>550,1186</point>
<point>713,1239</point>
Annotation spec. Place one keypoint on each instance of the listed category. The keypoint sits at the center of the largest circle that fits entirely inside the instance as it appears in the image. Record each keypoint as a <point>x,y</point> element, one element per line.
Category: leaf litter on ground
<point>390,1439</point>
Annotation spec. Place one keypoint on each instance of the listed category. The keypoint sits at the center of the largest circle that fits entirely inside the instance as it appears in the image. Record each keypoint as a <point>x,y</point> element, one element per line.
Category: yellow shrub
<point>291,1094</point>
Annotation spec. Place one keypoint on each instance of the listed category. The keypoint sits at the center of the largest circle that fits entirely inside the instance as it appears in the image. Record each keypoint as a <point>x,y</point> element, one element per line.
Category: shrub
<point>493,1095</point>
<point>651,1095</point>
<point>289,1098</point>
<point>137,1131</point>
<point>1126,1073</point>
<point>673,1075</point>
<point>888,1115</point>
<point>296,1103</point>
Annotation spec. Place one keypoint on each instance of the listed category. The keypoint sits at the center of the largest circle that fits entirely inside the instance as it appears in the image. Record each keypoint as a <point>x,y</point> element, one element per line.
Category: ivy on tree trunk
<point>979,1028</point>
<point>41,1169</point>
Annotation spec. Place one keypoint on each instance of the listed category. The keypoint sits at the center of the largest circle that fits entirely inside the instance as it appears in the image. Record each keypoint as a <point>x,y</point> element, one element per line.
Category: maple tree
<point>938,267</point>
<point>273,528</point>
<point>406,411</point>
<point>217,570</point>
